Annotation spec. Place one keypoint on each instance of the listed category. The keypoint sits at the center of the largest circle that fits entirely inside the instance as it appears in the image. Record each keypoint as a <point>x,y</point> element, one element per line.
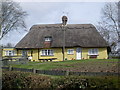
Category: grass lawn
<point>95,65</point>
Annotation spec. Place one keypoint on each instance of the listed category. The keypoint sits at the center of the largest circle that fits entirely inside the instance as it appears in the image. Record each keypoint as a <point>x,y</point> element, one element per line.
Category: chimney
<point>64,20</point>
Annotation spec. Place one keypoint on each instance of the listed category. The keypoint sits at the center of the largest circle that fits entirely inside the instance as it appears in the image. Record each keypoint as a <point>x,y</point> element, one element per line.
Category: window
<point>93,51</point>
<point>9,53</point>
<point>48,38</point>
<point>70,51</point>
<point>24,53</point>
<point>47,52</point>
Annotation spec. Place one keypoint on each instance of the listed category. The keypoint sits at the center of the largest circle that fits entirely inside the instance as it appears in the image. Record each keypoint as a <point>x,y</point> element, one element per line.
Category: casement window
<point>93,52</point>
<point>70,51</point>
<point>24,53</point>
<point>48,38</point>
<point>47,52</point>
<point>9,53</point>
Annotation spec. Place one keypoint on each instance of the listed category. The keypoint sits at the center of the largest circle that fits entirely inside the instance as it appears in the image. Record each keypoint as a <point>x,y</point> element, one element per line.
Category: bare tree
<point>12,17</point>
<point>108,26</point>
<point>9,45</point>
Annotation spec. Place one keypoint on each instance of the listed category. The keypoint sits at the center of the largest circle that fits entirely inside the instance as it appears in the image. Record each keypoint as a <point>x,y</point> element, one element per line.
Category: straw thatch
<point>76,35</point>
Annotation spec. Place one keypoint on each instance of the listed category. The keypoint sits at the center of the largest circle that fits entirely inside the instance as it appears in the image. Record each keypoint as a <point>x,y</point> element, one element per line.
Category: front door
<point>78,54</point>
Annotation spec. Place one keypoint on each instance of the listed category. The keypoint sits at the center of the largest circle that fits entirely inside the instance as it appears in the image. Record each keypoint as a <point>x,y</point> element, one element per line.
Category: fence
<point>62,73</point>
<point>8,61</point>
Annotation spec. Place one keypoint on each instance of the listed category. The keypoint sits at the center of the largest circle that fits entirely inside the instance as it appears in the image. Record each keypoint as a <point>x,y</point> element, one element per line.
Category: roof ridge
<point>61,24</point>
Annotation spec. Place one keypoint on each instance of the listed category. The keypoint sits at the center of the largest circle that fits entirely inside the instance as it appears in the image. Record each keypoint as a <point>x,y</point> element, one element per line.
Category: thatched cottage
<point>46,41</point>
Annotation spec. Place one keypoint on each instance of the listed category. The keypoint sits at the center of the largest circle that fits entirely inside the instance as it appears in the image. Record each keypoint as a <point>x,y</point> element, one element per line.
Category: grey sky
<point>51,13</point>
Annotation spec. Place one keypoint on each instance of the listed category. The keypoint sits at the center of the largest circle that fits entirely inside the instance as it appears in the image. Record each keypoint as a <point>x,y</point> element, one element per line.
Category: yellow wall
<point>58,54</point>
<point>19,52</point>
<point>70,56</point>
<point>35,55</point>
<point>85,53</point>
<point>102,53</point>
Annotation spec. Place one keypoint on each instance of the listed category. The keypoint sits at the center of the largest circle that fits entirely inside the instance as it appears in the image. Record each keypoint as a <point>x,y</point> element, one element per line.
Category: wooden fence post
<point>34,70</point>
<point>10,68</point>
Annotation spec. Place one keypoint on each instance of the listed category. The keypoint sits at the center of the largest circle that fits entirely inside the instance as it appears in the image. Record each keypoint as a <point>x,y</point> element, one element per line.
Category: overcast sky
<point>51,13</point>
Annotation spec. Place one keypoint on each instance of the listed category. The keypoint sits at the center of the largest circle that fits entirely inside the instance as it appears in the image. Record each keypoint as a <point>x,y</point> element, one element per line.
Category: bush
<point>34,81</point>
<point>24,80</point>
<point>103,82</point>
<point>86,82</point>
<point>70,82</point>
<point>15,79</point>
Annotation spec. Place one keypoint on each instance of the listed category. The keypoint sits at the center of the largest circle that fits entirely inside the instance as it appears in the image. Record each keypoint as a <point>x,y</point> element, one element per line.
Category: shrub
<point>85,82</point>
<point>104,82</point>
<point>24,80</point>
<point>70,82</point>
<point>38,81</point>
<point>14,79</point>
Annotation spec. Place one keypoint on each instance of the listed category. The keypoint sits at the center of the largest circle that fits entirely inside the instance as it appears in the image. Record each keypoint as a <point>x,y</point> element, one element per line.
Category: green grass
<point>73,65</point>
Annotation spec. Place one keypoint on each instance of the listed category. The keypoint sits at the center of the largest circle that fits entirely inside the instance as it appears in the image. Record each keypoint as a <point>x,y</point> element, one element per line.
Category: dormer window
<point>48,39</point>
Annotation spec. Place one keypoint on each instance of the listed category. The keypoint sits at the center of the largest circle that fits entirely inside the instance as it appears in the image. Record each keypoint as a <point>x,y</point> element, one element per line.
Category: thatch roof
<point>82,35</point>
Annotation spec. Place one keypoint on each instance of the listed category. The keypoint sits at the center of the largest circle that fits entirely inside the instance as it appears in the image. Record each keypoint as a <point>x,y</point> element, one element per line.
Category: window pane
<point>96,51</point>
<point>24,53</point>
<point>47,52</point>
<point>93,51</point>
<point>89,51</point>
<point>6,53</point>
<point>70,51</point>
<point>10,53</point>
<point>51,52</point>
<point>43,52</point>
<point>47,38</point>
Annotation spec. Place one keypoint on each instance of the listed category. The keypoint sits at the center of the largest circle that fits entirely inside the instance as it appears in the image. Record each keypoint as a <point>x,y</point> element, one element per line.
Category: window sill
<point>47,55</point>
<point>11,56</point>
<point>93,55</point>
<point>70,54</point>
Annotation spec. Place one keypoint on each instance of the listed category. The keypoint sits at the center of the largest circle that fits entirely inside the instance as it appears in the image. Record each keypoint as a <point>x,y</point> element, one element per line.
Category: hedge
<point>19,80</point>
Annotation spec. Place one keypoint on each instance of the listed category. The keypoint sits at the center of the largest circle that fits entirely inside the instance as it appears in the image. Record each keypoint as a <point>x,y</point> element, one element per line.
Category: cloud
<point>51,13</point>
<point>44,12</point>
<point>67,0</point>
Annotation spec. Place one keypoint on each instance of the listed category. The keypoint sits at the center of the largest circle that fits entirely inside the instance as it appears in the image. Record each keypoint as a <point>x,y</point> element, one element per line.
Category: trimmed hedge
<point>15,79</point>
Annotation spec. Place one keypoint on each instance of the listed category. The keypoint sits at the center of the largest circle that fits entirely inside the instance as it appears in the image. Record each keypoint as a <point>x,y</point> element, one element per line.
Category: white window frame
<point>9,53</point>
<point>93,51</point>
<point>47,52</point>
<point>48,38</point>
<point>70,51</point>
